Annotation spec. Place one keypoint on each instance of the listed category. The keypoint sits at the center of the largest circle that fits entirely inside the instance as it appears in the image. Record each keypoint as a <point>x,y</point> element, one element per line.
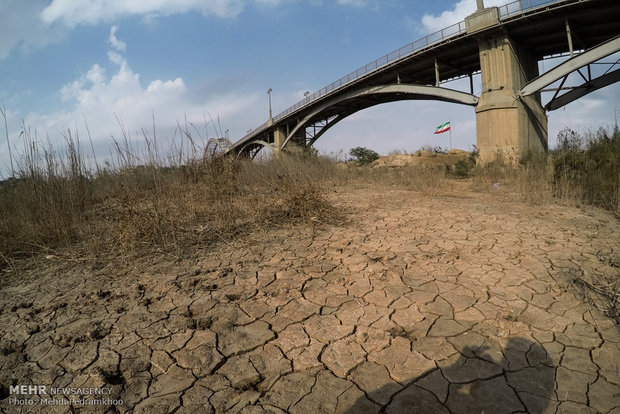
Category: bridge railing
<point>520,6</point>
<point>505,11</point>
<point>398,54</point>
<point>391,57</point>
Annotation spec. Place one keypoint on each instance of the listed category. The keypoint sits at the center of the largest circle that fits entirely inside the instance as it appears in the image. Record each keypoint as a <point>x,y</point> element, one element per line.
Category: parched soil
<point>456,303</point>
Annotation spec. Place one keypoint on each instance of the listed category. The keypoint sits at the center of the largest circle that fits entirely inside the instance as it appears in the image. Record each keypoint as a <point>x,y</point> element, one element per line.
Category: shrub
<point>363,155</point>
<point>435,150</point>
<point>589,169</point>
<point>463,168</point>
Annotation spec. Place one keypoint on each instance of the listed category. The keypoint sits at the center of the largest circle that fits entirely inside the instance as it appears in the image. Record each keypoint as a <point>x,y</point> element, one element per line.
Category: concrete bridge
<point>504,44</point>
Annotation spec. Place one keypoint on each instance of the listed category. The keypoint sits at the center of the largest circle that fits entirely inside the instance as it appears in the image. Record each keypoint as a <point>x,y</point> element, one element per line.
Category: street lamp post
<point>269,93</point>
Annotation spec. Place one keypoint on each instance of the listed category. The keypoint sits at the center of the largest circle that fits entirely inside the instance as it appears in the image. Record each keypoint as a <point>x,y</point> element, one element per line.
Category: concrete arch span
<point>333,111</point>
<point>257,145</point>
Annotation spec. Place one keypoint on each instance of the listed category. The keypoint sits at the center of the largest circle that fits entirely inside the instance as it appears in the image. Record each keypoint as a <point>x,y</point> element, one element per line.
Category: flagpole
<point>450,136</point>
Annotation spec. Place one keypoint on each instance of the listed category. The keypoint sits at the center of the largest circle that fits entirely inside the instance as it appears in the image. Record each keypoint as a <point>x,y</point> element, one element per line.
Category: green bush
<point>463,168</point>
<point>589,168</point>
<point>363,155</point>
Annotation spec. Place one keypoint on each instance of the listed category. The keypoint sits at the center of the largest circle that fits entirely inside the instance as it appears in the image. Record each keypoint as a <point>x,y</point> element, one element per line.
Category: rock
<point>244,338</point>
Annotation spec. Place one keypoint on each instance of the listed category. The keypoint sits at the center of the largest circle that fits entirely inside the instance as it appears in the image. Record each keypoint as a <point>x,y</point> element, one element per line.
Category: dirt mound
<point>422,158</point>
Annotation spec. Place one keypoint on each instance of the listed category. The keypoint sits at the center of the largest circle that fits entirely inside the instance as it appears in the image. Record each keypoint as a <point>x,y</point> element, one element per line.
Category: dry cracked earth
<point>457,303</point>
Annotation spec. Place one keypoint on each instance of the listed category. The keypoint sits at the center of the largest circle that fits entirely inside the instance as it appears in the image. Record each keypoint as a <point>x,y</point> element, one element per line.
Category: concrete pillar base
<point>278,139</point>
<point>509,128</point>
<point>505,123</point>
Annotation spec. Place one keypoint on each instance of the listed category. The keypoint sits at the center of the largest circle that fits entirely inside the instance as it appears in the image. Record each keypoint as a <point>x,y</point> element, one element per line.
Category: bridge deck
<point>538,25</point>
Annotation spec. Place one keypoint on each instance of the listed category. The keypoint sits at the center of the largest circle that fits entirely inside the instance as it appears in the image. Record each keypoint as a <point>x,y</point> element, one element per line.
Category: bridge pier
<point>506,123</point>
<point>279,136</point>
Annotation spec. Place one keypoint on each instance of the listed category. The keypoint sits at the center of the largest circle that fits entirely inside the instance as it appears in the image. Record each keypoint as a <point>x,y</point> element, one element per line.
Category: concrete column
<point>278,139</point>
<point>505,123</point>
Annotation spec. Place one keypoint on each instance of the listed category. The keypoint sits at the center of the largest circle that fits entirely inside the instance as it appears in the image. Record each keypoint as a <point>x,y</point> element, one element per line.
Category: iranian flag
<point>443,128</point>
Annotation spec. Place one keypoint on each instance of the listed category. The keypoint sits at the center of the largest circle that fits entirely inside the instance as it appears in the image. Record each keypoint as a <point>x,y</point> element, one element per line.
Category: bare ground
<point>456,303</point>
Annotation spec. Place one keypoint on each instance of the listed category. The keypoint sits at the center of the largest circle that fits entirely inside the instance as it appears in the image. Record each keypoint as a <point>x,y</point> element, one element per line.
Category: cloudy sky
<point>126,65</point>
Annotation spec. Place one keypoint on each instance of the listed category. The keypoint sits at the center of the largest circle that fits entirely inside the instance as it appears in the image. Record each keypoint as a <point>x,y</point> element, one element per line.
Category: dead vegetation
<point>173,203</point>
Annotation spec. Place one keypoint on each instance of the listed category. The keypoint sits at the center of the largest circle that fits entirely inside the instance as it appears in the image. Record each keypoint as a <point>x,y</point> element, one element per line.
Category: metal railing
<point>520,6</point>
<point>505,11</point>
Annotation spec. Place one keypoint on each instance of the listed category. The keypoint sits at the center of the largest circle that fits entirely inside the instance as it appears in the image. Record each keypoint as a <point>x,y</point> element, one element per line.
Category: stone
<point>342,356</point>
<point>375,381</point>
<point>326,328</point>
<point>604,396</point>
<point>270,364</point>
<point>403,364</point>
<point>436,383</point>
<point>435,349</point>
<point>459,369</point>
<point>172,382</point>
<point>488,396</point>
<point>538,380</point>
<point>289,389</point>
<point>240,371</point>
<point>244,338</point>
<point>355,401</point>
<point>578,359</point>
<point>323,397</point>
<point>415,400</point>
<point>445,327</point>
<point>405,318</point>
<point>200,355</point>
<point>306,357</point>
<point>572,385</point>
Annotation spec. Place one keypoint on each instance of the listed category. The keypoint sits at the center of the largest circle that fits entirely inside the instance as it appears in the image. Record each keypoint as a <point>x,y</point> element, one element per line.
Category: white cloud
<point>460,10</point>
<point>76,12</point>
<point>99,98</point>
<point>356,3</point>
<point>20,27</point>
<point>114,42</point>
<point>32,24</point>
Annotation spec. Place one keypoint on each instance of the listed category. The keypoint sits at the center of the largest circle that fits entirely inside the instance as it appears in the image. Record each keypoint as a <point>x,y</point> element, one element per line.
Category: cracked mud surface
<point>449,304</point>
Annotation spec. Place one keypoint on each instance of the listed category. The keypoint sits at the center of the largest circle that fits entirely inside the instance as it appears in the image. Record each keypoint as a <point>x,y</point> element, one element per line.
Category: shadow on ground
<point>519,378</point>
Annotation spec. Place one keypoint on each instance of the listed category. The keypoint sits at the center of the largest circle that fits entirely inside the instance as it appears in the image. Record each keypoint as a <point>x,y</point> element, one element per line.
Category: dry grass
<point>56,203</point>
<point>147,202</point>
<point>530,182</point>
<point>582,171</point>
<point>174,199</point>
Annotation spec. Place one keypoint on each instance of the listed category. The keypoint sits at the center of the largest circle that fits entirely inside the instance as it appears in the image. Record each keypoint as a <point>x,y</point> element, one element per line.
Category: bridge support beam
<point>506,123</point>
<point>279,136</point>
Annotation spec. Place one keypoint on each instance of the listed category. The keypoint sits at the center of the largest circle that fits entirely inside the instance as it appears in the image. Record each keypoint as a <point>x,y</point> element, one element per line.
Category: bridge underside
<point>504,48</point>
<point>580,64</point>
<point>303,132</point>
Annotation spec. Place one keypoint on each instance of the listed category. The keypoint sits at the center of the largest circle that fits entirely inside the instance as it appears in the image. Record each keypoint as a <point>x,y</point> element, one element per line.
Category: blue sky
<point>67,63</point>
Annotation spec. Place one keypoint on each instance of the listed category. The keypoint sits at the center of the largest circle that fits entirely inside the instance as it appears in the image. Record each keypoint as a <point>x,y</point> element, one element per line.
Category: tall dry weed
<point>140,202</point>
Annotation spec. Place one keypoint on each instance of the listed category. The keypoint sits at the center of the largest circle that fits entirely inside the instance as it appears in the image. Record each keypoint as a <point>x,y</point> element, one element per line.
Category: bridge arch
<point>257,145</point>
<point>335,110</point>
